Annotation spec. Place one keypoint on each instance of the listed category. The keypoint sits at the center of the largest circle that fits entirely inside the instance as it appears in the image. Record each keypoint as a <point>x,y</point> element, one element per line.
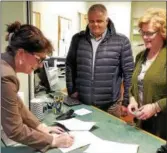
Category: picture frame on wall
<point>37,19</point>
<point>64,35</point>
<point>83,20</point>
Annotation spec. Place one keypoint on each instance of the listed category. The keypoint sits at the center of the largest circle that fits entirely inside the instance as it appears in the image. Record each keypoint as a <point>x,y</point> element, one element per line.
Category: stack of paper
<point>97,145</point>
<point>111,147</point>
<point>81,138</point>
<point>74,124</point>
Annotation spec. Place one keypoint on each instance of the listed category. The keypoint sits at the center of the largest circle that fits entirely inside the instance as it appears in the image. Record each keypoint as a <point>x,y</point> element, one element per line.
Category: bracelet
<point>158,109</point>
<point>154,109</point>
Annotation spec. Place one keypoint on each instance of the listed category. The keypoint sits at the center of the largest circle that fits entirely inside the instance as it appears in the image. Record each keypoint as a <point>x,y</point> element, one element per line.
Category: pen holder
<point>58,106</point>
<point>39,108</point>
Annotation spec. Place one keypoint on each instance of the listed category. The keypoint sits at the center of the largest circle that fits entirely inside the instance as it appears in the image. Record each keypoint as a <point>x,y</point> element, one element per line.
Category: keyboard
<point>71,101</point>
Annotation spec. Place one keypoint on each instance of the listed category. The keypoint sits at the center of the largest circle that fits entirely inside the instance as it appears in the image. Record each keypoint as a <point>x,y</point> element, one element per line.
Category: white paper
<point>74,124</point>
<point>82,111</point>
<point>111,147</point>
<point>80,140</point>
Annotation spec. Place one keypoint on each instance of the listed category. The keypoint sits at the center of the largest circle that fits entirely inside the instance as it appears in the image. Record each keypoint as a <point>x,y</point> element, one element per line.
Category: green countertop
<point>108,127</point>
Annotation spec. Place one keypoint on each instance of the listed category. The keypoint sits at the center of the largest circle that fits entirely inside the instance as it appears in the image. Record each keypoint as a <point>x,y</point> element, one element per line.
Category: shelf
<point>135,22</point>
<point>135,30</point>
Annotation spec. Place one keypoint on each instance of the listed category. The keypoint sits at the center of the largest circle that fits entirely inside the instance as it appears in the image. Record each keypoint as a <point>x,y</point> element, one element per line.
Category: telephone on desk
<point>67,115</point>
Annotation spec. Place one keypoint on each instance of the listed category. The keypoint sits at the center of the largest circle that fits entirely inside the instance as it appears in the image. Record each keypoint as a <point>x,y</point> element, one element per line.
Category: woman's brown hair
<point>28,37</point>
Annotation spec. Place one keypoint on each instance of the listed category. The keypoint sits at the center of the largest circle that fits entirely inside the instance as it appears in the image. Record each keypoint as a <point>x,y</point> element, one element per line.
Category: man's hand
<point>74,95</point>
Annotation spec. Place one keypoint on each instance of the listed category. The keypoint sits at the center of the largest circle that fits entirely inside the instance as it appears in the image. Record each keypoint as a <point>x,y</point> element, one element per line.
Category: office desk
<point>108,128</point>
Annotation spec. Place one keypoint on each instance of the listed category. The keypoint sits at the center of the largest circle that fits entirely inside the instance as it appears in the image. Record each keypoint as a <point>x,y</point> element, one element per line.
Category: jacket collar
<point>7,57</point>
<point>102,36</point>
<point>145,53</point>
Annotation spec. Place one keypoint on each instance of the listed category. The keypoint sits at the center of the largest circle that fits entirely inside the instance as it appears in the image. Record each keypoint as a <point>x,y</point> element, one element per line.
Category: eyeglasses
<point>147,33</point>
<point>39,59</point>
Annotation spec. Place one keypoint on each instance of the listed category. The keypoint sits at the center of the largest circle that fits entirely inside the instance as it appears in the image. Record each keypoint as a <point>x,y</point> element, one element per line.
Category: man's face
<point>97,22</point>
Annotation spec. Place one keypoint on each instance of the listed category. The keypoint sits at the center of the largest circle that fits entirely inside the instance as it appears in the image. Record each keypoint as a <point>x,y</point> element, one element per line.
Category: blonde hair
<point>158,17</point>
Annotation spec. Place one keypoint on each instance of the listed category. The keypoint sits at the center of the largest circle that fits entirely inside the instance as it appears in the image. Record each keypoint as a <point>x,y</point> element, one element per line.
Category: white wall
<point>49,17</point>
<point>12,11</point>
<point>120,14</point>
<point>140,7</point>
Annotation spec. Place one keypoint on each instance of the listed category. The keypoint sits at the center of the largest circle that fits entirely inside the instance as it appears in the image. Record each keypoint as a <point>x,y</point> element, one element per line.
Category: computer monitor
<point>48,77</point>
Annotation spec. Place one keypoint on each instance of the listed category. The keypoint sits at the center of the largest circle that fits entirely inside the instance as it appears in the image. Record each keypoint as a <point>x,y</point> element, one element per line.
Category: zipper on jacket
<point>93,67</point>
<point>92,78</point>
<point>94,61</point>
<point>93,72</point>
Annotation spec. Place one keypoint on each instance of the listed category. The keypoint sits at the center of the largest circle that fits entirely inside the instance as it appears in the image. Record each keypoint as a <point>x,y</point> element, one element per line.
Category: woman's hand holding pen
<point>63,140</point>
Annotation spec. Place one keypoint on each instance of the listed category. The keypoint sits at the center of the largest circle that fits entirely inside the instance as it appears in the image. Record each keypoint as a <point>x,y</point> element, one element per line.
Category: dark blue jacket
<point>113,63</point>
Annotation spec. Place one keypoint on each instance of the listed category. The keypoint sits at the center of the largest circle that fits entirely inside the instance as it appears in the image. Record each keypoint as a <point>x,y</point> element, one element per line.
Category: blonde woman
<point>148,96</point>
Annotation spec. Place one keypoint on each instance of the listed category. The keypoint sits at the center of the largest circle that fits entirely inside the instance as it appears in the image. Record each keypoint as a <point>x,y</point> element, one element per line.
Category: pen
<point>63,127</point>
<point>67,131</point>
